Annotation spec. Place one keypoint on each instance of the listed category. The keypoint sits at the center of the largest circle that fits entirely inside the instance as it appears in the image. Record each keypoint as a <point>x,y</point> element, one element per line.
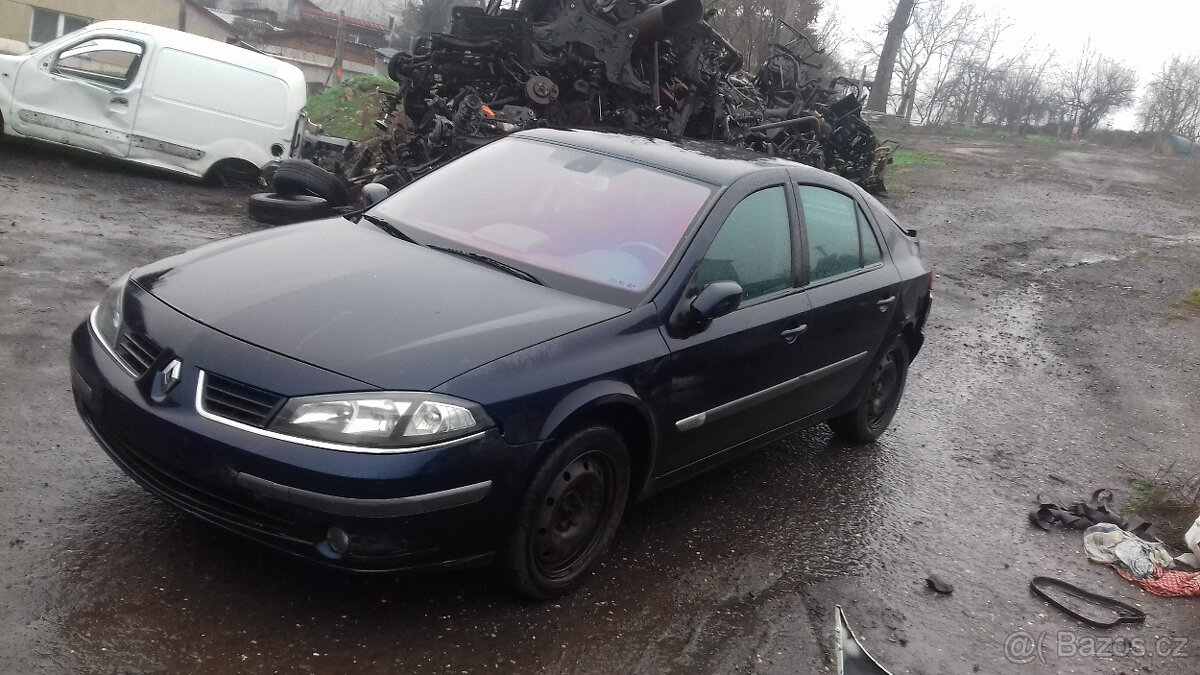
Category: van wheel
<point>568,516</point>
<point>298,177</point>
<point>277,209</point>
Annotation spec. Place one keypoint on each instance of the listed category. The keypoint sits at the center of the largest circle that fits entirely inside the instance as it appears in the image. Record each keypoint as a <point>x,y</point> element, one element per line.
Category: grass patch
<point>1170,502</point>
<point>1190,302</point>
<point>903,158</point>
<point>1038,139</point>
<point>348,109</point>
<point>1142,493</point>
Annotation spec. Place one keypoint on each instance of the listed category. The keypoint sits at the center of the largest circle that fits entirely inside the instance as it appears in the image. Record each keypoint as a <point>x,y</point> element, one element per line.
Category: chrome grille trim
<point>138,352</point>
<point>238,401</point>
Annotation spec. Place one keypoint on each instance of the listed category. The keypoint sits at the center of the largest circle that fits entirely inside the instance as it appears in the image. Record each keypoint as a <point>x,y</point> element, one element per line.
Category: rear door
<point>853,286</point>
<point>83,94</point>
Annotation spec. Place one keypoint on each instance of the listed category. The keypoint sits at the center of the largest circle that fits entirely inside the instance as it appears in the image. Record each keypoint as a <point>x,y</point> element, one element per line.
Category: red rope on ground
<point>1167,583</point>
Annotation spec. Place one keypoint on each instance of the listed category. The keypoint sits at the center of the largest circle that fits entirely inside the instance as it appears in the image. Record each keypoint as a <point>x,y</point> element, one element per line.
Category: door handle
<point>883,304</point>
<point>789,336</point>
<point>120,100</point>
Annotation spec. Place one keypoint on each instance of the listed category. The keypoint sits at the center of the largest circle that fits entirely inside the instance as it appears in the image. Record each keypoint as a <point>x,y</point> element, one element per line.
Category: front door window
<point>753,248</point>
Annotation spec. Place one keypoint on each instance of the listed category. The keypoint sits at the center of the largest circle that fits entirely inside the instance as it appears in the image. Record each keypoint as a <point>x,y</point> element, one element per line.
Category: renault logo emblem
<point>170,375</point>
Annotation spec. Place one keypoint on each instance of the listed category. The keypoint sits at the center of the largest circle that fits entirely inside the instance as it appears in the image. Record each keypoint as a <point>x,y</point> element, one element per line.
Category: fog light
<point>338,540</point>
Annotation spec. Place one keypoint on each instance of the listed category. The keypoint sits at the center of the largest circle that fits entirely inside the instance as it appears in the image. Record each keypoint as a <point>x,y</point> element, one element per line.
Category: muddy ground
<point>1055,362</point>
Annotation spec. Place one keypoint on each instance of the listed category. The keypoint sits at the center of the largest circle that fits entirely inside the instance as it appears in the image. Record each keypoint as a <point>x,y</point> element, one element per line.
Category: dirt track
<point>1055,363</point>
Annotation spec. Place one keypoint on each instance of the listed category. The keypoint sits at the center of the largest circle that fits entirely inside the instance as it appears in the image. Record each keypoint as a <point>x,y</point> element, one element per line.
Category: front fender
<point>589,398</point>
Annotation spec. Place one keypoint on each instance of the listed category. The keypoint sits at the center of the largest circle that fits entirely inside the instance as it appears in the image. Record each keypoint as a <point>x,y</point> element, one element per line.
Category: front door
<point>738,377</point>
<point>84,94</point>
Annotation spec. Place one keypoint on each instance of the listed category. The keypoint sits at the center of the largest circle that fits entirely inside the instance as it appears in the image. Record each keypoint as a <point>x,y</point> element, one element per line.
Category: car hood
<point>351,299</point>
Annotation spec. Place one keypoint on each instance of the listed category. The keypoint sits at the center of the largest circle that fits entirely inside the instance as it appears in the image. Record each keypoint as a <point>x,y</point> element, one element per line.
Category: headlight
<point>380,420</point>
<point>108,315</point>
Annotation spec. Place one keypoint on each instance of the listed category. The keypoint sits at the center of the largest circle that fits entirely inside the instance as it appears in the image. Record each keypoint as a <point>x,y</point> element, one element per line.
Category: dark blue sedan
<point>487,366</point>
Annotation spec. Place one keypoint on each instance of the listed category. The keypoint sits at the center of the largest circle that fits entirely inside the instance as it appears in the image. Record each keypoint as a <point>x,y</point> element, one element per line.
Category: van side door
<point>83,93</point>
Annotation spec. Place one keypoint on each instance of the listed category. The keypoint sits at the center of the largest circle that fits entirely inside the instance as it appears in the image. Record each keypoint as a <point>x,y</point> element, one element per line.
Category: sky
<point>1142,34</point>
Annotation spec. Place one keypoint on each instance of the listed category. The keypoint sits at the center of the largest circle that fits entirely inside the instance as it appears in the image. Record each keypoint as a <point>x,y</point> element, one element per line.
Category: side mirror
<point>373,193</point>
<point>717,299</point>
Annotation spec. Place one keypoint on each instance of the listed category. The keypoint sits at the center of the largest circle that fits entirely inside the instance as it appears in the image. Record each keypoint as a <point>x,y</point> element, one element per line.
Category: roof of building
<point>369,25</point>
<point>208,13</point>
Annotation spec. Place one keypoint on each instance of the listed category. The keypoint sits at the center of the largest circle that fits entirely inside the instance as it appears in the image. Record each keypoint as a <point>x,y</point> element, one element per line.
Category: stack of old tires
<point>303,191</point>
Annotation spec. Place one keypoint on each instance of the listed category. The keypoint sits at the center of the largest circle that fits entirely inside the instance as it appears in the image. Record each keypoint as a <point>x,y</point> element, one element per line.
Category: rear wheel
<point>277,209</point>
<point>569,515</point>
<point>875,410</point>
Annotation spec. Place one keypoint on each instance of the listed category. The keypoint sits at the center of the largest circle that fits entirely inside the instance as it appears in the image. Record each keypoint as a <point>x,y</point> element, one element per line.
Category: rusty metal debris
<point>628,65</point>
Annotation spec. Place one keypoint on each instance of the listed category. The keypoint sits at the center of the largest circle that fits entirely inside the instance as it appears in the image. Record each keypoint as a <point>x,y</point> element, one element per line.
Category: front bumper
<point>444,506</point>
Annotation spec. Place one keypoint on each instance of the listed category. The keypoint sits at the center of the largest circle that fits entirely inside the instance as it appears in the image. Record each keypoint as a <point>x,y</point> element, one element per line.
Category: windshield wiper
<point>388,227</point>
<point>515,271</point>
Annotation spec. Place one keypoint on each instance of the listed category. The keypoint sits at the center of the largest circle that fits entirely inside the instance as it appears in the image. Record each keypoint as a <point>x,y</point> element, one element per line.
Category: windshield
<point>565,215</point>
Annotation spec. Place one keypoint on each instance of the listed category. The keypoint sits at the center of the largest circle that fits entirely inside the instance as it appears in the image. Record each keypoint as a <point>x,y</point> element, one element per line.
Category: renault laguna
<point>486,367</point>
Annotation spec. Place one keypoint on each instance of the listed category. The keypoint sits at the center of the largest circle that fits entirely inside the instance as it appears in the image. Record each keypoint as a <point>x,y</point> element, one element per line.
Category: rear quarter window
<point>209,84</point>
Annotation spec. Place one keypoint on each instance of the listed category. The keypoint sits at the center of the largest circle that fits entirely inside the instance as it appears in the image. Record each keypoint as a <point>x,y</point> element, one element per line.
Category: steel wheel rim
<point>881,393</point>
<point>572,515</point>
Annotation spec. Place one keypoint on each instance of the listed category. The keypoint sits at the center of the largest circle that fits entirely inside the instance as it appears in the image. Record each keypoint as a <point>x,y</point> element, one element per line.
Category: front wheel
<point>568,517</point>
<point>874,412</point>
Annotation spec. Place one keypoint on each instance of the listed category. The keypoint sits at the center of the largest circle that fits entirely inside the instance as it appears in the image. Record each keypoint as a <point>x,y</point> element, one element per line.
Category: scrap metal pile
<point>655,68</point>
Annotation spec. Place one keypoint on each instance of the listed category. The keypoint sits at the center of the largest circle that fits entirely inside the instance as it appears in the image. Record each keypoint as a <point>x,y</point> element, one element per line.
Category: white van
<point>155,96</point>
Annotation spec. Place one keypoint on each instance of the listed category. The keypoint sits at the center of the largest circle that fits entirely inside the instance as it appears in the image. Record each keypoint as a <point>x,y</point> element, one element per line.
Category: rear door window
<point>838,237</point>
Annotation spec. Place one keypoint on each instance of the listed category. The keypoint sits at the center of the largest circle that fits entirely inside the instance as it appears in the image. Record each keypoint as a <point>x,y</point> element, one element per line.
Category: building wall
<point>16,16</point>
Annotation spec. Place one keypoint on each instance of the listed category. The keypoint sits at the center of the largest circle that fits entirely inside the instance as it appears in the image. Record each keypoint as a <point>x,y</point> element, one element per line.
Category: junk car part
<point>654,68</point>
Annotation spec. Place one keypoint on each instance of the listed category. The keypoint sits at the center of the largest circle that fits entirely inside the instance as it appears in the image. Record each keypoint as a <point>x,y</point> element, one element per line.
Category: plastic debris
<point>852,657</point>
<point>1107,543</point>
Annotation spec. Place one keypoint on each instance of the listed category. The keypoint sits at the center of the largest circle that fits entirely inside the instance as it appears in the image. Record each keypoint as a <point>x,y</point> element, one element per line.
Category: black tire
<point>276,209</point>
<point>298,177</point>
<point>569,515</point>
<point>877,406</point>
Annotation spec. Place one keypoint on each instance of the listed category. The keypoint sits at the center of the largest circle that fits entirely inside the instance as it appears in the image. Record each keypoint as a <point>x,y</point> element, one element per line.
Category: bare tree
<point>1014,93</point>
<point>887,58</point>
<point>935,37</point>
<point>1097,85</point>
<point>1171,103</point>
<point>956,81</point>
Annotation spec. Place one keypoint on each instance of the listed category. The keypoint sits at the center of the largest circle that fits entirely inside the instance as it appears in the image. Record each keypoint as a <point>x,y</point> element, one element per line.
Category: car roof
<point>711,162</point>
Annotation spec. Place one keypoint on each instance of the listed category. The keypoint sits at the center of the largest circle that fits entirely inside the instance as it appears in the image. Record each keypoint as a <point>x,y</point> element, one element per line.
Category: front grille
<point>138,352</point>
<point>239,401</point>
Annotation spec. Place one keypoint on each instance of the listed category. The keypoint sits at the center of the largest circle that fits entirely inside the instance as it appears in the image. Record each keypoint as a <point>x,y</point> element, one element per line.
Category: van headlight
<point>380,419</point>
<point>108,316</point>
